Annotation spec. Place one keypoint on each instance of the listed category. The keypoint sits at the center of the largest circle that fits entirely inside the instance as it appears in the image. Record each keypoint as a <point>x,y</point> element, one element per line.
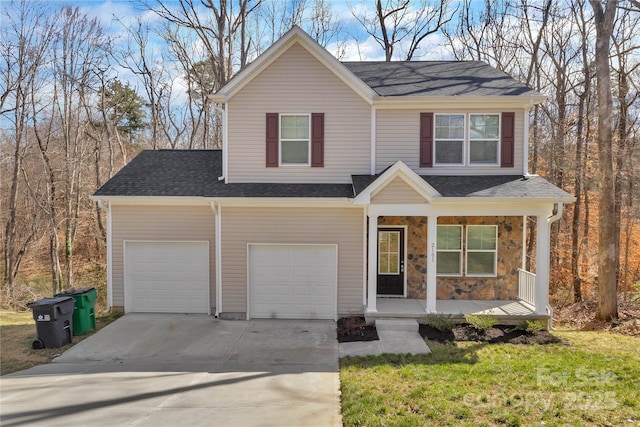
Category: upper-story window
<point>472,139</point>
<point>295,130</point>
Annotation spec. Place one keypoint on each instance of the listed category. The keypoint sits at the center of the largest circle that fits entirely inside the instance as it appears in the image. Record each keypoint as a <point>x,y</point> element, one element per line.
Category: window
<point>388,252</point>
<point>449,246</point>
<point>449,138</point>
<point>481,250</point>
<point>466,139</point>
<point>484,134</point>
<point>294,139</point>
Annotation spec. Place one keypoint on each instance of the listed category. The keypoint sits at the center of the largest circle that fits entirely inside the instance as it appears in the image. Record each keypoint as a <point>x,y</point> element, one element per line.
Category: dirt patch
<point>356,329</point>
<point>582,316</point>
<point>496,334</point>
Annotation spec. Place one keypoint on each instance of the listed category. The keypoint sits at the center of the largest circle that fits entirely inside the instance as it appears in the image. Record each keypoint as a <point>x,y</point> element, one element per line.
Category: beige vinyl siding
<point>160,223</point>
<point>398,138</point>
<point>341,226</point>
<point>298,83</point>
<point>397,191</point>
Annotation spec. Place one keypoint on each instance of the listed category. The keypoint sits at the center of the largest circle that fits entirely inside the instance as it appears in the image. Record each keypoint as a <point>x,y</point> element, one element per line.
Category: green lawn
<point>594,379</point>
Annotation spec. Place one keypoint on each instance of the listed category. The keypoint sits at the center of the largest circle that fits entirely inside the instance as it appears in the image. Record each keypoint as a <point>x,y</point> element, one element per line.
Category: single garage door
<point>292,281</point>
<point>167,277</point>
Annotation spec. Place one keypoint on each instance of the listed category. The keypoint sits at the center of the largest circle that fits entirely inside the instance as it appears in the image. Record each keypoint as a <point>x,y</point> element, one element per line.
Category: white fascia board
<point>436,102</point>
<point>463,209</point>
<point>287,202</point>
<point>293,36</point>
<point>404,172</point>
<point>155,200</point>
<point>502,200</point>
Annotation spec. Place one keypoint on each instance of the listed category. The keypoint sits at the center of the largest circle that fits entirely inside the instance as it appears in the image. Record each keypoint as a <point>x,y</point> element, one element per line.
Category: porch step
<point>396,325</point>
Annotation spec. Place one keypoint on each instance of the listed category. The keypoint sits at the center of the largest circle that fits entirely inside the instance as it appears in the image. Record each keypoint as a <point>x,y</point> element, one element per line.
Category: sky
<point>109,12</point>
<point>355,44</point>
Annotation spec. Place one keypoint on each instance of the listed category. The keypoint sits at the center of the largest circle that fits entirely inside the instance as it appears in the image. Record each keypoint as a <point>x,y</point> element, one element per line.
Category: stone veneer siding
<point>502,287</point>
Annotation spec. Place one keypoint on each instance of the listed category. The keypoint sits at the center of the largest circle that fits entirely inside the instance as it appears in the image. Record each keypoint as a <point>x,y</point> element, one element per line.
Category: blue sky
<point>366,49</point>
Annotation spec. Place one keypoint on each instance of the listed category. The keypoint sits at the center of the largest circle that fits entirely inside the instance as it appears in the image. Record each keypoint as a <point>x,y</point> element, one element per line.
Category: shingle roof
<point>491,186</point>
<point>437,78</point>
<point>195,173</point>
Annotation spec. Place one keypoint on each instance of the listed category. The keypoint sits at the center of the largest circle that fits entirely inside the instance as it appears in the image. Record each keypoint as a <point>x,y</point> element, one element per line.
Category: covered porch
<point>488,279</point>
<point>506,311</point>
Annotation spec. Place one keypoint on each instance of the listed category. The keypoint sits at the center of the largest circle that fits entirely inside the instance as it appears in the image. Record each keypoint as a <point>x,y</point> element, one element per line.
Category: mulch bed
<point>496,334</point>
<point>356,329</point>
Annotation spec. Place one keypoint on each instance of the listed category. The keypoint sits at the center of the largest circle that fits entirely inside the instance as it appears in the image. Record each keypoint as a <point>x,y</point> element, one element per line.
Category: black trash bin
<point>54,317</point>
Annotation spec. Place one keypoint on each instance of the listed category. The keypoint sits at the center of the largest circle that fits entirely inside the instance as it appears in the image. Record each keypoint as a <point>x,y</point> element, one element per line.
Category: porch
<point>506,311</point>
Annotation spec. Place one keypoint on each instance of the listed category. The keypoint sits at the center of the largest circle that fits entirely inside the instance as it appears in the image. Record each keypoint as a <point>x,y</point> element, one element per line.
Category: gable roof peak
<point>295,35</point>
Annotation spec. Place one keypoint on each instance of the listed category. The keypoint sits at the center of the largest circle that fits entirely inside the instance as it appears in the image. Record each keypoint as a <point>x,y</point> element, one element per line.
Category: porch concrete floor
<point>415,308</point>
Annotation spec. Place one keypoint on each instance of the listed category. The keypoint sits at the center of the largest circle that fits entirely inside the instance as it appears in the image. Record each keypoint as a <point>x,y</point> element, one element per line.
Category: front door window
<point>391,262</point>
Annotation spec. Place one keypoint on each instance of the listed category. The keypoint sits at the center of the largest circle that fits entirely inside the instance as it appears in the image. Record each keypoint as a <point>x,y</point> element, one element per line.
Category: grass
<point>592,380</point>
<point>17,332</point>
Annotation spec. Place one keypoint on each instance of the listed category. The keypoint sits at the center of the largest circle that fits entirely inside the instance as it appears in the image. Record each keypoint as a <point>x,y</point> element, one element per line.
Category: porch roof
<point>489,186</point>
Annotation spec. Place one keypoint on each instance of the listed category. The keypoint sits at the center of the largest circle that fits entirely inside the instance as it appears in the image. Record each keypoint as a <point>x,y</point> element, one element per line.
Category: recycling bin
<point>54,317</point>
<point>84,317</point>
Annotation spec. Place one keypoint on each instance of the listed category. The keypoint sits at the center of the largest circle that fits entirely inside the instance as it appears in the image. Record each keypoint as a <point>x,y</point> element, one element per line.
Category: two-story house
<point>342,188</point>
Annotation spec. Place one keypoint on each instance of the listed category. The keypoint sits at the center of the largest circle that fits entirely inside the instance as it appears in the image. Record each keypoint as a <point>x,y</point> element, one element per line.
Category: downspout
<point>107,208</point>
<point>525,148</point>
<point>553,218</point>
<point>215,207</point>
<point>223,111</point>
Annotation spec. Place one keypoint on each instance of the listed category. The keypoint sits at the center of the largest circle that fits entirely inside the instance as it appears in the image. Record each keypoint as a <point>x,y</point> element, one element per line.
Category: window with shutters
<point>295,131</point>
<point>466,139</point>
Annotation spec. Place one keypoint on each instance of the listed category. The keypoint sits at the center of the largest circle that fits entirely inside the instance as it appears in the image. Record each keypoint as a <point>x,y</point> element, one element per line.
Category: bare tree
<point>80,50</point>
<point>402,25</point>
<point>582,125</point>
<point>24,43</point>
<point>625,67</point>
<point>604,15</point>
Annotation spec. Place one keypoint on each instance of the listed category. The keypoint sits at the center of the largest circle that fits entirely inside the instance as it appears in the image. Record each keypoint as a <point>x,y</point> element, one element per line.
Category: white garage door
<point>167,277</point>
<point>292,281</point>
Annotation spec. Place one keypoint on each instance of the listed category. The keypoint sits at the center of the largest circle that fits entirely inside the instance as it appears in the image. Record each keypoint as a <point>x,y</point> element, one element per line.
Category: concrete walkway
<point>396,337</point>
<point>194,370</point>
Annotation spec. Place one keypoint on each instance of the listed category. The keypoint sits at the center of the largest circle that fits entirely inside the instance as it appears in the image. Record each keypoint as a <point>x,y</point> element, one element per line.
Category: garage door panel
<point>167,277</point>
<point>292,281</point>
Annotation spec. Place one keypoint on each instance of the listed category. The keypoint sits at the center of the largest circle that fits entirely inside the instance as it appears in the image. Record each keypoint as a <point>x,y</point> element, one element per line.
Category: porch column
<point>543,249</point>
<point>432,231</point>
<point>372,276</point>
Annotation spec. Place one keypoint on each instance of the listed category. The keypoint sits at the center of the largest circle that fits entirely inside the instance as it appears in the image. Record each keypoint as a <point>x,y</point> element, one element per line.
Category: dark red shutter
<point>426,140</point>
<point>317,140</point>
<point>272,140</point>
<point>507,140</point>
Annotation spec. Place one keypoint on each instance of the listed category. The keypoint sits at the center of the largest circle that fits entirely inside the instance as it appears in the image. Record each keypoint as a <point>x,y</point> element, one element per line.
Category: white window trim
<point>466,143</point>
<point>494,251</point>
<point>459,251</point>
<point>464,139</point>
<point>280,140</point>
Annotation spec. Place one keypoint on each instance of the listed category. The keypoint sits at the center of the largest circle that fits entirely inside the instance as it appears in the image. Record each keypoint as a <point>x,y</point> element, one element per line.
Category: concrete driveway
<point>193,370</point>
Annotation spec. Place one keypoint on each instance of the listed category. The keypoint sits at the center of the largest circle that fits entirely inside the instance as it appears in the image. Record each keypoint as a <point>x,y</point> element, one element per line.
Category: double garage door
<point>284,281</point>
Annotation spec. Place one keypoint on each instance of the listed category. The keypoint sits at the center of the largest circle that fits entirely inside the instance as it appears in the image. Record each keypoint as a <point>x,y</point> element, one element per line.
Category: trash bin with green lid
<point>84,317</point>
<point>54,321</point>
